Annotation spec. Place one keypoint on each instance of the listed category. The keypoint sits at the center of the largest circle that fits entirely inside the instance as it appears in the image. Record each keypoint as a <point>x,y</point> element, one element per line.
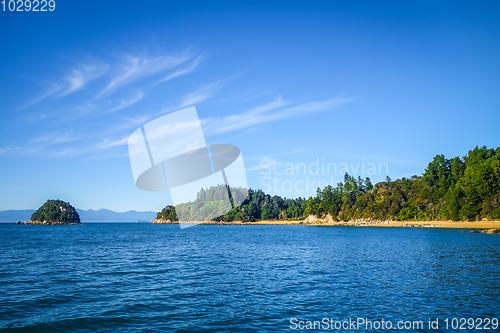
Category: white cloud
<point>51,90</point>
<point>125,70</point>
<point>135,67</point>
<point>134,73</point>
<point>183,71</point>
<point>131,122</point>
<point>107,143</point>
<point>193,98</point>
<point>123,104</point>
<point>65,152</point>
<point>79,77</point>
<point>54,138</point>
<point>267,113</point>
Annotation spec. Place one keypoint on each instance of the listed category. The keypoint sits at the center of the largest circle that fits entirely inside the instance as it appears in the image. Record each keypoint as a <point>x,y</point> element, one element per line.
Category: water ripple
<point>142,277</point>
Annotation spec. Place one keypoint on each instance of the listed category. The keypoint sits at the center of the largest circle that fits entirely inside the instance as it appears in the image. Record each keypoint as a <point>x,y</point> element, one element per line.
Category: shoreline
<point>421,224</point>
<point>361,223</point>
<point>417,224</point>
<point>48,223</point>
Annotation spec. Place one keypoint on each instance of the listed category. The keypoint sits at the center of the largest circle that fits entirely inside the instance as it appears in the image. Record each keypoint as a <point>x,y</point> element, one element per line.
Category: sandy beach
<point>429,224</point>
<point>446,224</point>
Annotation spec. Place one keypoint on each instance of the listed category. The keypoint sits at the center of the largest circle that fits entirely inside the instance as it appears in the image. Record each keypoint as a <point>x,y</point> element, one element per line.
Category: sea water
<point>132,277</point>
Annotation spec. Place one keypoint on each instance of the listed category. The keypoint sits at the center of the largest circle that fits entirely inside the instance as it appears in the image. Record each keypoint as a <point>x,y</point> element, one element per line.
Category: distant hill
<point>15,215</point>
<point>56,211</point>
<point>90,215</point>
<point>106,215</point>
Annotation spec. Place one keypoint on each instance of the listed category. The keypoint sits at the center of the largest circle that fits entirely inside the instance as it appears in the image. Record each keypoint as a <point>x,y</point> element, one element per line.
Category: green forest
<point>461,188</point>
<point>56,211</point>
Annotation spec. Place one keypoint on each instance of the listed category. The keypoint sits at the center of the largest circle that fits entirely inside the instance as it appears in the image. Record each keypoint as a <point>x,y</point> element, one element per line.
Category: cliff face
<point>55,212</point>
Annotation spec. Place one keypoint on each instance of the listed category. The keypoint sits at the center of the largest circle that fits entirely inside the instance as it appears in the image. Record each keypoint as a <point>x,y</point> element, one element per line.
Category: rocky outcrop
<point>313,219</point>
<point>161,221</point>
<point>420,225</point>
<point>489,231</point>
<point>51,223</point>
<point>365,222</point>
<point>229,223</point>
<point>327,219</point>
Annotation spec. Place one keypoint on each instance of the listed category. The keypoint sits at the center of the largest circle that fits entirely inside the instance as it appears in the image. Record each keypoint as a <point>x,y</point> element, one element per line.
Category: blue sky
<point>388,83</point>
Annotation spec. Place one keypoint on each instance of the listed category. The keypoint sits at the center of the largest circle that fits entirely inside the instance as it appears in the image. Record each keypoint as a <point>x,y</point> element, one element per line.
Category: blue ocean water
<point>134,277</point>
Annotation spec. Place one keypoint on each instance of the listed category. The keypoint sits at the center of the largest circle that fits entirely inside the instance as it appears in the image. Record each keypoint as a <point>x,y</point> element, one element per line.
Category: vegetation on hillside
<point>257,206</point>
<point>56,211</point>
<point>466,188</point>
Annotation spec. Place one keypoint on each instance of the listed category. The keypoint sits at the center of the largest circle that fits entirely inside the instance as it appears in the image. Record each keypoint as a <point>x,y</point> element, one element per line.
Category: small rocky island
<point>55,212</point>
<point>167,216</point>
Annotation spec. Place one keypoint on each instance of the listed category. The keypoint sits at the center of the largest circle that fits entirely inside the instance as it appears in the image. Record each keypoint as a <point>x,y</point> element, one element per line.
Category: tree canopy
<point>466,188</point>
<point>56,211</point>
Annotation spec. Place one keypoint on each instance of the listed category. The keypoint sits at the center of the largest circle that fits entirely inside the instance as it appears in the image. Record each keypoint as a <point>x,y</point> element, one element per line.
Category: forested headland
<point>55,212</point>
<point>461,188</point>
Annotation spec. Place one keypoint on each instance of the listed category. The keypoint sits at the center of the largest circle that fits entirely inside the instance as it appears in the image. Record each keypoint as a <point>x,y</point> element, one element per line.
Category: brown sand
<point>435,224</point>
<point>447,224</point>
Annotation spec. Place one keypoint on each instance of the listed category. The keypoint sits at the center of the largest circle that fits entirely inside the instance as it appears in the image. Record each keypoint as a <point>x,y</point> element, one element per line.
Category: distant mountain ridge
<point>106,215</point>
<point>89,215</point>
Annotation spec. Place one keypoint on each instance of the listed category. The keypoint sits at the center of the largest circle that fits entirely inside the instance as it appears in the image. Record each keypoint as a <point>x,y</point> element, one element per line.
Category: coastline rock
<point>51,223</point>
<point>362,222</point>
<point>161,221</point>
<point>313,219</point>
<point>494,231</point>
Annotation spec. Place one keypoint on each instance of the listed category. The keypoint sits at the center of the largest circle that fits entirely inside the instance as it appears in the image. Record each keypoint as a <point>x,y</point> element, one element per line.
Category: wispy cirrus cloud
<point>183,71</point>
<point>109,86</point>
<point>195,97</point>
<point>50,90</point>
<point>124,103</point>
<point>117,73</point>
<point>75,79</point>
<point>79,77</point>
<point>272,111</point>
<point>54,138</point>
<point>201,94</point>
<point>105,87</point>
<point>62,145</point>
<point>133,67</point>
<point>109,143</point>
<point>131,122</point>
